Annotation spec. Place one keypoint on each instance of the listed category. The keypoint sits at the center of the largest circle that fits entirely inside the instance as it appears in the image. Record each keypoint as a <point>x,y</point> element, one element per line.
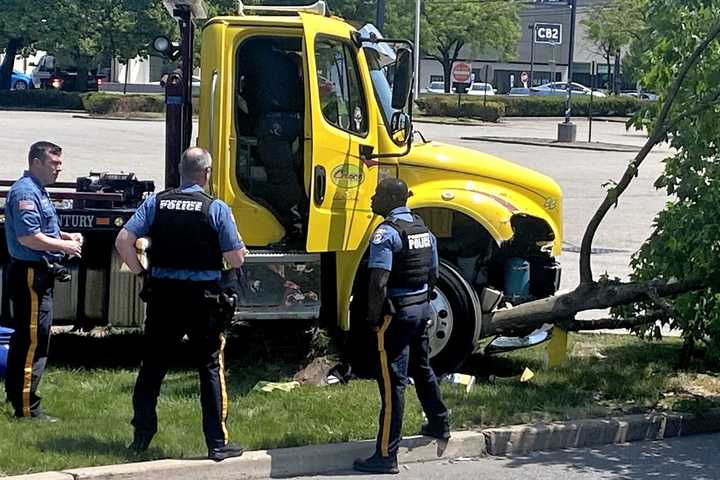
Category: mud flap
<point>556,350</point>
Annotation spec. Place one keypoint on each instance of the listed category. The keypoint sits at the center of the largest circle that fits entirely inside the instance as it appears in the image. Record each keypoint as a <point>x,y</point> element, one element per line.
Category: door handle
<point>320,182</point>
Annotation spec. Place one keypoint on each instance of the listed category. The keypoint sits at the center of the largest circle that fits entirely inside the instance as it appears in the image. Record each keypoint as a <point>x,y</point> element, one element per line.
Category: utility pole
<point>417,49</point>
<point>567,130</point>
<point>380,15</point>
<point>532,53</point>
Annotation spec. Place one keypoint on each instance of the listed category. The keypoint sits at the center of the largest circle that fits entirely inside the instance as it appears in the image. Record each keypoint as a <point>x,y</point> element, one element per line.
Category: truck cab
<point>499,225</point>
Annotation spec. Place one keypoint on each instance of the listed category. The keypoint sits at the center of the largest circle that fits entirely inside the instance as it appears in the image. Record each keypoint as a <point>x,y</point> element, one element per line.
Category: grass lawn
<point>606,374</point>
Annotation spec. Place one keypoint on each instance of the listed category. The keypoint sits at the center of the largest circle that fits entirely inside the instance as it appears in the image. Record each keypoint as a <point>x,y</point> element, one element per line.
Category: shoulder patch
<point>378,236</point>
<point>26,205</point>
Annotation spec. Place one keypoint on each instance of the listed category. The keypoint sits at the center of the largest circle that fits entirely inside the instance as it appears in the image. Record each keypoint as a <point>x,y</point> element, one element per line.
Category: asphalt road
<point>676,459</point>
<point>137,146</point>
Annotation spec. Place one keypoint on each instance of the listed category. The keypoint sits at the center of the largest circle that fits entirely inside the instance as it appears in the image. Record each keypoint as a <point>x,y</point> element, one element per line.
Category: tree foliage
<point>447,27</point>
<point>686,238</point>
<point>613,27</point>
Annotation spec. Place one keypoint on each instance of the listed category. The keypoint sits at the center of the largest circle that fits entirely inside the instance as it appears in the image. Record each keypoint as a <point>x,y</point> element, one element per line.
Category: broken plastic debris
<point>263,386</point>
<point>460,379</point>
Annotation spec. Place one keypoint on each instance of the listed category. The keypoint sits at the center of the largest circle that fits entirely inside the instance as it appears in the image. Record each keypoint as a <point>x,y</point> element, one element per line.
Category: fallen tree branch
<point>528,316</point>
<point>657,134</point>
<point>611,323</point>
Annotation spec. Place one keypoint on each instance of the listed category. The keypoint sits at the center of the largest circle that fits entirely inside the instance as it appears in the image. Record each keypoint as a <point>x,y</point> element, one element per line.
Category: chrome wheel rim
<point>442,322</point>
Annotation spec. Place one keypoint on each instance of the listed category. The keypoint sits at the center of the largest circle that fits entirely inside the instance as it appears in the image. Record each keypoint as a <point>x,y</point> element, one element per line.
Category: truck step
<point>274,256</point>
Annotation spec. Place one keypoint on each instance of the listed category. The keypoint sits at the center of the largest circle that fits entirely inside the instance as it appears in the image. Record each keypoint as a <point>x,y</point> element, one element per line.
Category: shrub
<point>447,106</point>
<point>554,106</point>
<point>41,98</point>
<point>106,103</point>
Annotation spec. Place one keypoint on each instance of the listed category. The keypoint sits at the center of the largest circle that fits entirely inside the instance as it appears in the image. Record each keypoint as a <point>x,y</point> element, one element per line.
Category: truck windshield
<point>381,85</point>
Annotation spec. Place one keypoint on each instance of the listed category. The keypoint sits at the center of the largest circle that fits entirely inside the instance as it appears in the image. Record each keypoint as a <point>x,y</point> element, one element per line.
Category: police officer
<point>273,89</point>
<point>191,232</point>
<point>35,244</point>
<point>403,266</point>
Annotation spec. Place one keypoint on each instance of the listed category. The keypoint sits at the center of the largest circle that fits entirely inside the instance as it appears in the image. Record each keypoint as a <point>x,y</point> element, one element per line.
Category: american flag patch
<point>26,205</point>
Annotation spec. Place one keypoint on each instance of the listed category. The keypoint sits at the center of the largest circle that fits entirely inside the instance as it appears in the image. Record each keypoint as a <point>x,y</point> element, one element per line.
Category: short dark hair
<point>41,150</point>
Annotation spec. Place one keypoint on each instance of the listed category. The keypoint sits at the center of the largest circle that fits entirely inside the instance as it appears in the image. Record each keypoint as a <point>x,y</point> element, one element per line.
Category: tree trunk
<point>6,68</point>
<point>528,316</point>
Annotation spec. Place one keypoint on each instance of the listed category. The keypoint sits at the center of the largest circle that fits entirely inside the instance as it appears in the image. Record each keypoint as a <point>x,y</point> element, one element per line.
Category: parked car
<point>48,74</point>
<point>519,92</point>
<point>20,81</point>
<point>436,87</point>
<point>641,95</point>
<point>480,88</point>
<point>560,88</point>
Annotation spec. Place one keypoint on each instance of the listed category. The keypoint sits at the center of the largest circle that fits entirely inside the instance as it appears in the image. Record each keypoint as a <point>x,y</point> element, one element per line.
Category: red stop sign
<point>461,72</point>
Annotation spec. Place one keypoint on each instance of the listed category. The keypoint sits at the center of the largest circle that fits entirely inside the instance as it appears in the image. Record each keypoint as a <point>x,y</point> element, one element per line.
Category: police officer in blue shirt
<point>35,244</point>
<point>403,265</point>
<point>191,233</point>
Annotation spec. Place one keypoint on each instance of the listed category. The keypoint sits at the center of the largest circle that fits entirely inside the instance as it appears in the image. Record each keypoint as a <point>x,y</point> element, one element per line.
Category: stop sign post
<point>461,74</point>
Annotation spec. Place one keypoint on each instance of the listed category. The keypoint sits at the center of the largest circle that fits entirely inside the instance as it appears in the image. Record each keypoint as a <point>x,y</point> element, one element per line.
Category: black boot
<point>439,430</point>
<point>140,443</point>
<point>228,451</point>
<point>377,464</point>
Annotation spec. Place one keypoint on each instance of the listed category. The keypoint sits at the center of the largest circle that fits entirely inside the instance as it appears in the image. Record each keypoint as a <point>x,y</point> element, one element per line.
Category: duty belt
<point>407,300</point>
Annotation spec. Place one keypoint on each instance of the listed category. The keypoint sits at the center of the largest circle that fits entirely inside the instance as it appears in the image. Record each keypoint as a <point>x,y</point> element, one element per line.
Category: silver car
<point>560,89</point>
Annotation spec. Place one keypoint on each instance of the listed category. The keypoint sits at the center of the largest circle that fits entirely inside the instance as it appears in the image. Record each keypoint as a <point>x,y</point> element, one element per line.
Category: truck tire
<point>454,305</point>
<point>455,310</point>
<point>20,85</point>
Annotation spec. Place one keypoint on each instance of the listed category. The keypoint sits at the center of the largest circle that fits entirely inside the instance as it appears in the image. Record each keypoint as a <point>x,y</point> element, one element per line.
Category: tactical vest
<point>181,233</point>
<point>411,265</point>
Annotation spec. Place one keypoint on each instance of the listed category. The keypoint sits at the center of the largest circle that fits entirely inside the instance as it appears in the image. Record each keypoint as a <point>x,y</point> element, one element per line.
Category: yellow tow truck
<point>499,225</point>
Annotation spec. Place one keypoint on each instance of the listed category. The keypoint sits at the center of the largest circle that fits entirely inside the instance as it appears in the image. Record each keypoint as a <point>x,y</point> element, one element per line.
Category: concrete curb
<point>282,462</point>
<point>520,439</point>
<point>318,459</point>
<point>546,142</point>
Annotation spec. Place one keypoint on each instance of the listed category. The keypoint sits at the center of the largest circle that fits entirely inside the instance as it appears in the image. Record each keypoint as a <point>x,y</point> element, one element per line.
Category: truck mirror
<point>403,79</point>
<point>401,121</point>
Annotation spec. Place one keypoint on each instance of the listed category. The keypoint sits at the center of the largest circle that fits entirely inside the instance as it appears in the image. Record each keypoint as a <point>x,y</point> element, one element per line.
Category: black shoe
<point>228,451</point>
<point>377,464</point>
<point>140,443</point>
<point>440,431</point>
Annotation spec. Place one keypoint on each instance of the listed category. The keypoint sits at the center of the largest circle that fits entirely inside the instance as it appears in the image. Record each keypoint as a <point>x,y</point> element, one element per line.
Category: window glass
<point>341,96</point>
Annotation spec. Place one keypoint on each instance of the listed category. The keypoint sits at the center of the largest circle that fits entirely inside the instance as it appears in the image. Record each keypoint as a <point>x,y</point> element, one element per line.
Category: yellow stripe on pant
<point>387,397</point>
<point>34,314</point>
<point>223,390</point>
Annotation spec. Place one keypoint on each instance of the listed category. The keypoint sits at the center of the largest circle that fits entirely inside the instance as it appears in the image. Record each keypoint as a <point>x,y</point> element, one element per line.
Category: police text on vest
<point>185,205</point>
<point>419,240</point>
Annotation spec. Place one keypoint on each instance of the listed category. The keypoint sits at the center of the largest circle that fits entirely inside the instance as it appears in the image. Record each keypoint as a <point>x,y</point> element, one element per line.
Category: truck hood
<point>441,156</point>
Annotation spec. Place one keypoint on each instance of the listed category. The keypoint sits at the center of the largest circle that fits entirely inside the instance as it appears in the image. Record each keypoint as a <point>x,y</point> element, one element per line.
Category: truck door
<point>344,131</point>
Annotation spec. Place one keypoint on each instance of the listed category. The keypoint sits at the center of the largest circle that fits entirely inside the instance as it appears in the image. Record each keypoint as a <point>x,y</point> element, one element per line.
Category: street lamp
<point>532,53</point>
<point>417,49</point>
<point>567,130</point>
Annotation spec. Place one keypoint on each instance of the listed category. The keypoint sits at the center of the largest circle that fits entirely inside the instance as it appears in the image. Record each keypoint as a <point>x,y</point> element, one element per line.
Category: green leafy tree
<point>685,242</point>
<point>21,24</point>
<point>447,27</point>
<point>612,27</point>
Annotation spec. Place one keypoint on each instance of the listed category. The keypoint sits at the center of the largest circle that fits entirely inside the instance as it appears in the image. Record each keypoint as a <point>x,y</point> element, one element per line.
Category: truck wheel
<point>20,85</point>
<point>455,309</point>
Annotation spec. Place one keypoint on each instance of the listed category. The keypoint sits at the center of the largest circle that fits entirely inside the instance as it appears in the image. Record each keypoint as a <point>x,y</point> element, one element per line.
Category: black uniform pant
<point>177,308</point>
<point>31,290</point>
<point>284,190</point>
<point>403,348</point>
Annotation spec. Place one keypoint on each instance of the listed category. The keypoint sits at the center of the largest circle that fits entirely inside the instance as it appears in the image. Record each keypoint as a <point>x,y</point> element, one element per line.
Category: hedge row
<point>500,105</point>
<point>610,106</point>
<point>41,99</point>
<point>101,103</point>
<point>447,106</point>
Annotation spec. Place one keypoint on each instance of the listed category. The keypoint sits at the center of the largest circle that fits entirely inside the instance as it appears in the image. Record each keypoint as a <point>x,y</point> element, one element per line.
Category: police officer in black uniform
<point>191,233</point>
<point>36,244</point>
<point>273,90</point>
<point>403,264</point>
